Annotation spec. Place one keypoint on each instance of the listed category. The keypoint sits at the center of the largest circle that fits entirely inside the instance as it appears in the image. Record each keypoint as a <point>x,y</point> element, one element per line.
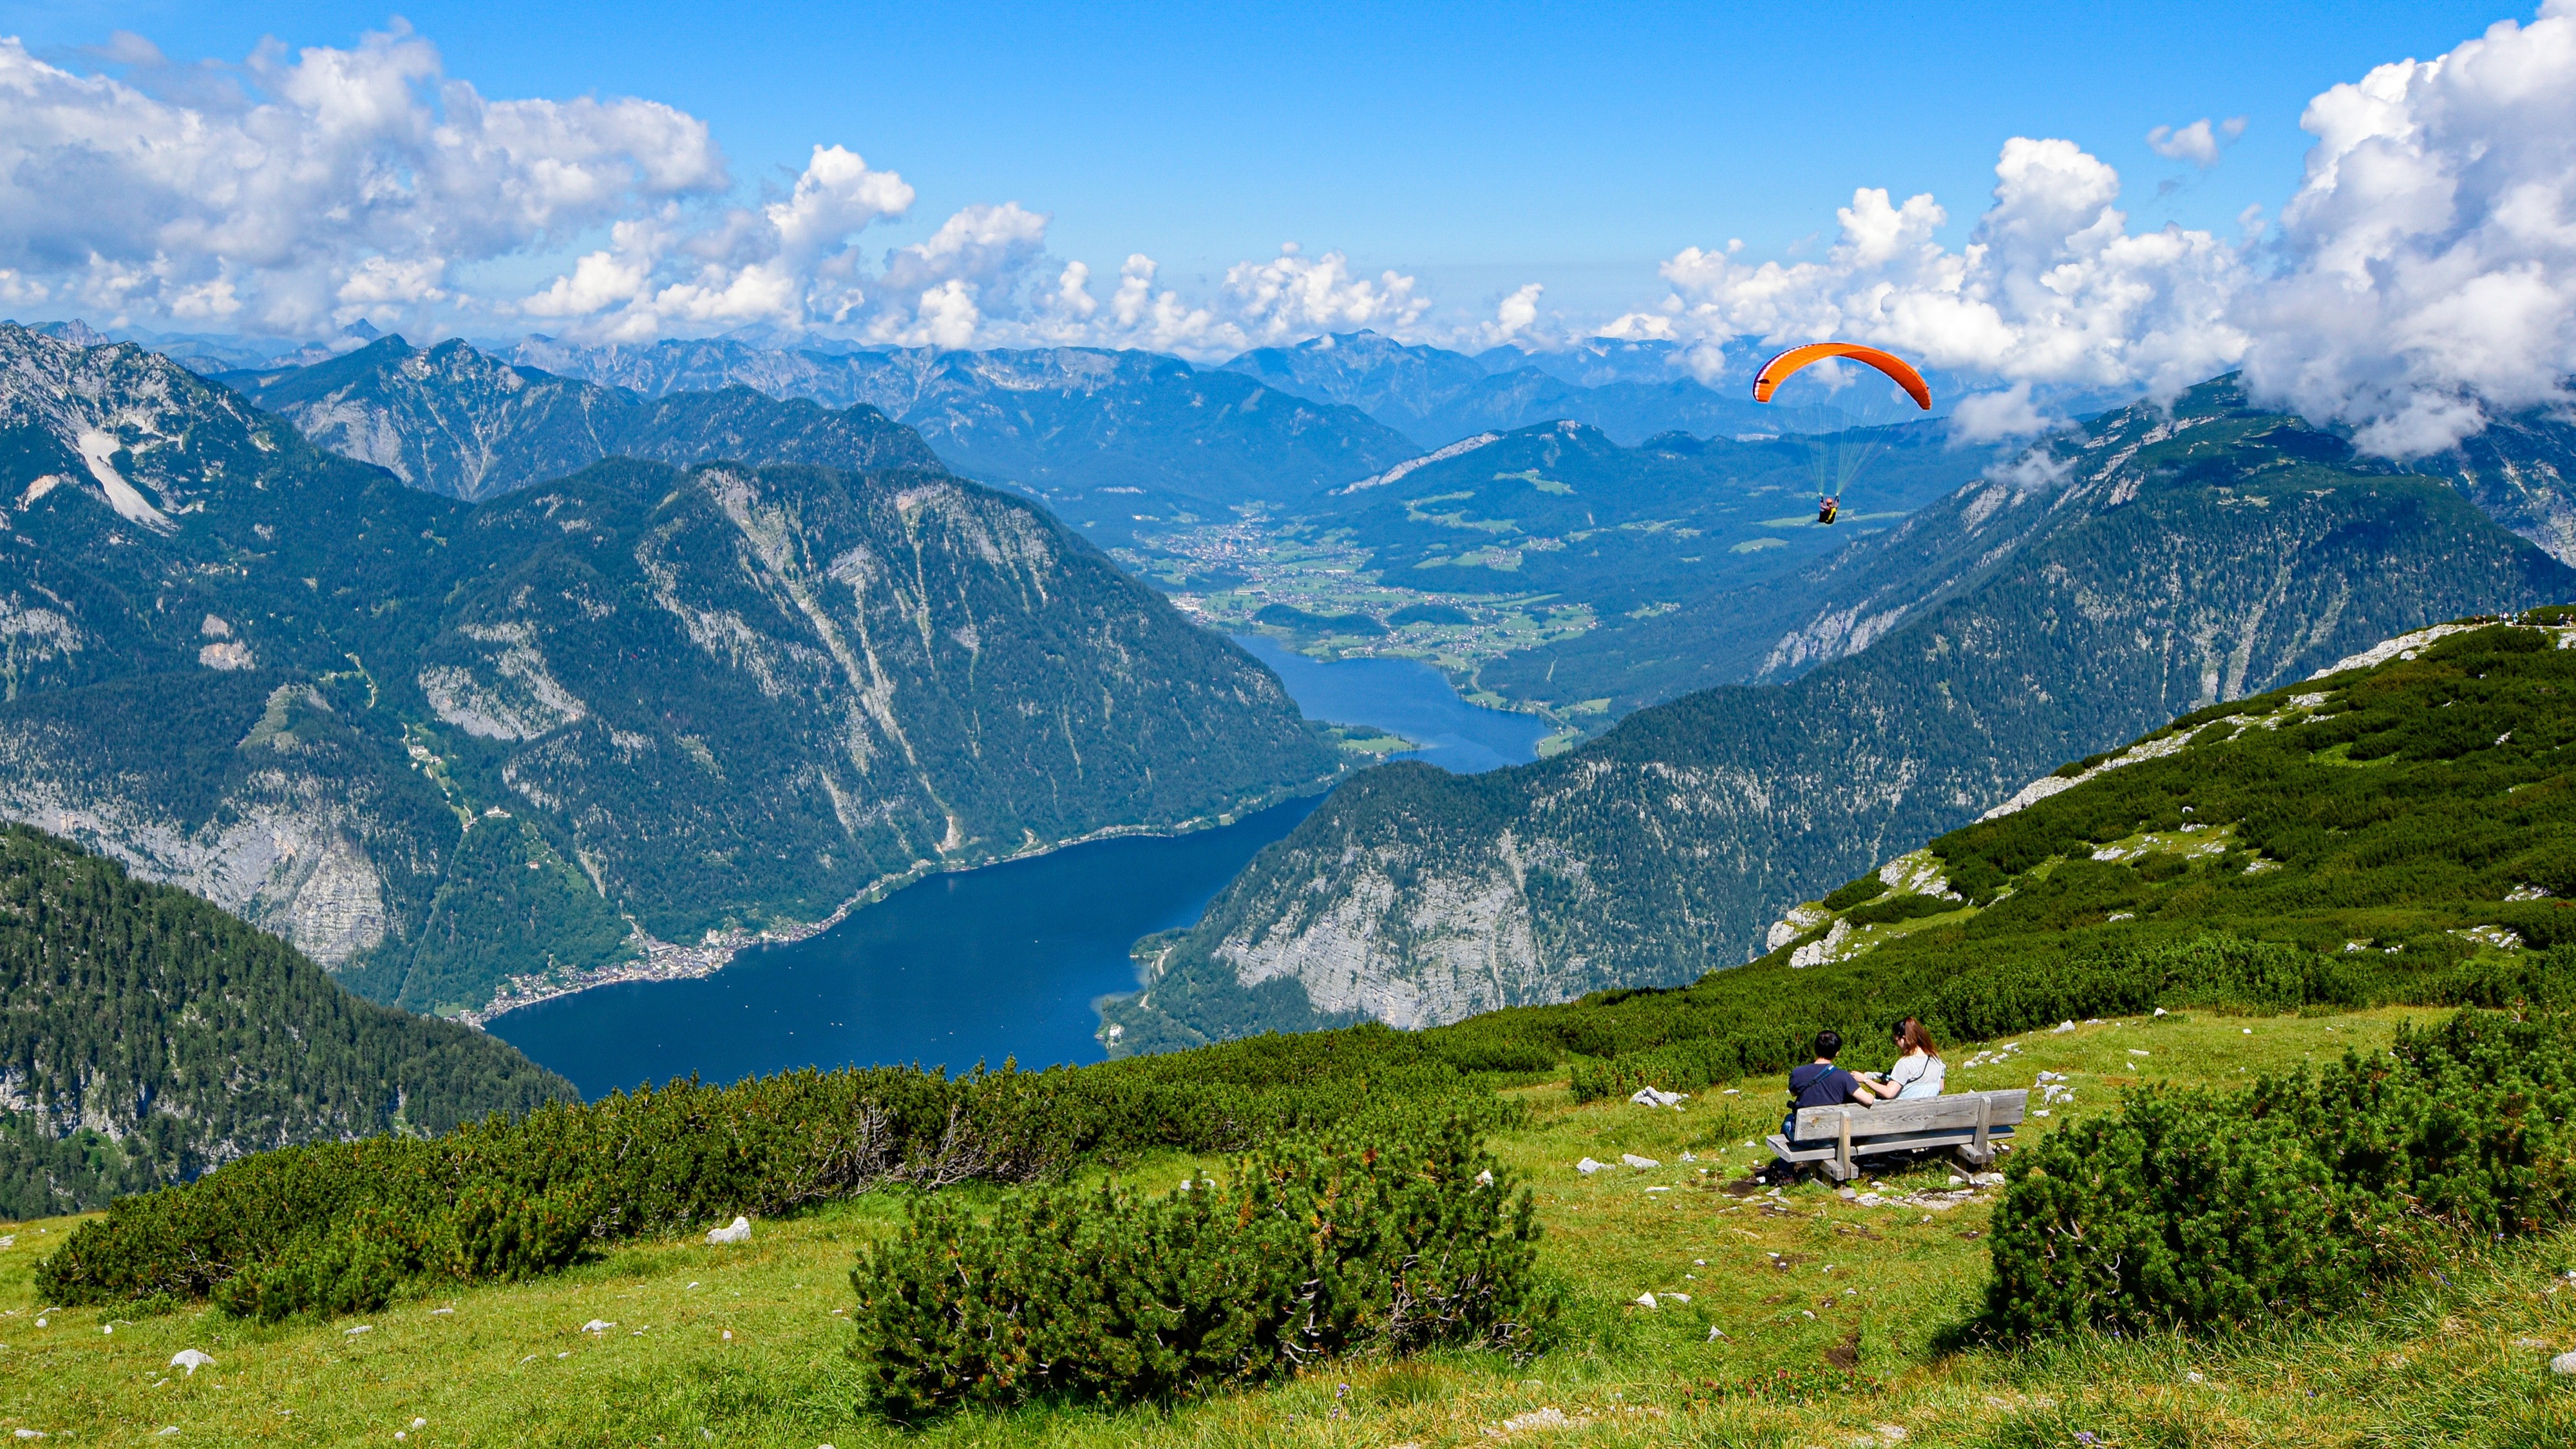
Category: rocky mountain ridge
<point>442,745</point>
<point>456,421</point>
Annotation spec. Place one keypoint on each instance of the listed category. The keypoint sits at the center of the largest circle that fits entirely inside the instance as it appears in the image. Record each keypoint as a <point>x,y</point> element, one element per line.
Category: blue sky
<point>1478,147</point>
<point>1999,192</point>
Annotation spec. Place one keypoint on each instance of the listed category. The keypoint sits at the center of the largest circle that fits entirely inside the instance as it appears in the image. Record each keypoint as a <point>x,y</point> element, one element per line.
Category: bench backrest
<point>1924,1114</point>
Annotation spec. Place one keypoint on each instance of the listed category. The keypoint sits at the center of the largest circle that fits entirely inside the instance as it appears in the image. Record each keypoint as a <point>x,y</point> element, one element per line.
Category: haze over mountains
<point>438,745</point>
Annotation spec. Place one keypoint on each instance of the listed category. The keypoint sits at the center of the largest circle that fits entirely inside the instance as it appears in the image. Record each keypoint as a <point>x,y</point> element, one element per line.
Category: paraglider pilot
<point>1825,509</point>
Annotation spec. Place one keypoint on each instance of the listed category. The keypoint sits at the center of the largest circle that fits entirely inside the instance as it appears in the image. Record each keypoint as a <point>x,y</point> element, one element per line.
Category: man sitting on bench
<point>1822,1084</point>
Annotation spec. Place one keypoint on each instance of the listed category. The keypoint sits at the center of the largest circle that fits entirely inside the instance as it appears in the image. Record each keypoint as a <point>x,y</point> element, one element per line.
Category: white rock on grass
<point>1651,1097</point>
<point>2564,1365</point>
<point>1588,1167</point>
<point>1633,1160</point>
<point>1645,1300</point>
<point>597,1325</point>
<point>191,1359</point>
<point>738,1231</point>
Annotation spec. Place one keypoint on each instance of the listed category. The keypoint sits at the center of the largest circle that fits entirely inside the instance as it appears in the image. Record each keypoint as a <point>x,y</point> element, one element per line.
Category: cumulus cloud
<point>1512,321</point>
<point>2432,245</point>
<point>1990,417</point>
<point>360,172</point>
<point>2422,279</point>
<point>2051,288</point>
<point>2197,143</point>
<point>1293,296</point>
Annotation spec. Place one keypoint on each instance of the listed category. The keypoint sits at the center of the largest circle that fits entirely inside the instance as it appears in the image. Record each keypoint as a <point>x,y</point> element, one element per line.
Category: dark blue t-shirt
<point>1820,1084</point>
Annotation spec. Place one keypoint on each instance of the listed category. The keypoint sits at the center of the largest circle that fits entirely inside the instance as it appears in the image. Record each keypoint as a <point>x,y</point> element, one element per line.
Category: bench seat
<point>1833,1137</point>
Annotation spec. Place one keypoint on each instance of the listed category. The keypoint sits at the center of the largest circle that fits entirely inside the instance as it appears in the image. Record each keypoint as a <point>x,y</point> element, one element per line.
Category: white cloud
<point>1987,417</point>
<point>1513,319</point>
<point>2197,143</point>
<point>270,194</point>
<point>2432,245</point>
<point>1292,296</point>
<point>2051,288</point>
<point>2422,279</point>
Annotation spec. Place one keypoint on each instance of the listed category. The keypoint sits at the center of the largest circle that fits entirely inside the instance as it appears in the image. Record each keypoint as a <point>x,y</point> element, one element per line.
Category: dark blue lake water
<point>1009,960</point>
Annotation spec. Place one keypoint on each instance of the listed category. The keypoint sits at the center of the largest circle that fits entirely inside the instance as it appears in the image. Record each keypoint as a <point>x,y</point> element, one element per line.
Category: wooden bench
<point>1967,1121</point>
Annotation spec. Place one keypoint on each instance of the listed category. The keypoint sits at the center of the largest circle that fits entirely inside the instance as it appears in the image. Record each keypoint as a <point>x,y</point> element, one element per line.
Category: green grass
<point>2452,1364</point>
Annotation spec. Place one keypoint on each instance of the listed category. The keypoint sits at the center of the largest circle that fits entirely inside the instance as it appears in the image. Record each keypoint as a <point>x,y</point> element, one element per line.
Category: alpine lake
<point>1002,962</point>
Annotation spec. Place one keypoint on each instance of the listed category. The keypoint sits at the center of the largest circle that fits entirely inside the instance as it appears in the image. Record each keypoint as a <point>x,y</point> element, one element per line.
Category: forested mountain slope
<point>438,745</point>
<point>146,1036</point>
<point>2516,472</point>
<point>2167,562</point>
<point>456,421</point>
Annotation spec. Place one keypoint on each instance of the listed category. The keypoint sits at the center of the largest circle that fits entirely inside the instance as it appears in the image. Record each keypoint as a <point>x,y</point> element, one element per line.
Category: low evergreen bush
<point>2300,1195</point>
<point>339,1227</point>
<point>1314,1249</point>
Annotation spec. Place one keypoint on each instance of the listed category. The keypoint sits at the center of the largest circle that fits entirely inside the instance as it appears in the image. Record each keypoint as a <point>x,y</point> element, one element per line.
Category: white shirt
<point>1917,1077</point>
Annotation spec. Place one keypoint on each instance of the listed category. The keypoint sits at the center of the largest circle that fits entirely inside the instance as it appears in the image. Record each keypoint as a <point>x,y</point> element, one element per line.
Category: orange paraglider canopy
<point>1777,370</point>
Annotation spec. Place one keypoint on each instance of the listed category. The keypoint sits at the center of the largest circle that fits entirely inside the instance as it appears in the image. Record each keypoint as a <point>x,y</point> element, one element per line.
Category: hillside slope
<point>438,746</point>
<point>146,1036</point>
<point>2172,562</point>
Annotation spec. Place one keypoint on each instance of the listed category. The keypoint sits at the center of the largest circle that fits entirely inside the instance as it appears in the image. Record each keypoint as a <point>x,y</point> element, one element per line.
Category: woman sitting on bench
<point>1919,1071</point>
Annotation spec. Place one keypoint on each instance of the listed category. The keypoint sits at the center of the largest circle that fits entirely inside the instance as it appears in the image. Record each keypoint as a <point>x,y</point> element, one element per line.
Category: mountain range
<point>2161,561</point>
<point>440,745</point>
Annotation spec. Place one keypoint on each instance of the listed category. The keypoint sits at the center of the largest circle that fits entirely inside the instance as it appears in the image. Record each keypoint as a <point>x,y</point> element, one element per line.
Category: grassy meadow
<point>1854,1302</point>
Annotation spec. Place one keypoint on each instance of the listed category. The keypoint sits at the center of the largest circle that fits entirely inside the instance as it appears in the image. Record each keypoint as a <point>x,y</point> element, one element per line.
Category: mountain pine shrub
<point>1377,1244</point>
<point>2300,1195</point>
<point>340,1227</point>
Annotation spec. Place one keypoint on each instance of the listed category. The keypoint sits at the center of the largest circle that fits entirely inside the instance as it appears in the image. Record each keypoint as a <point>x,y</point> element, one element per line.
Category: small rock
<point>420,1423</point>
<point>1645,1300</point>
<point>738,1231</point>
<point>1641,1163</point>
<point>597,1325</point>
<point>1485,1178</point>
<point>2530,1343</point>
<point>1957,1181</point>
<point>361,1328</point>
<point>2195,1377</point>
<point>1588,1167</point>
<point>190,1359</point>
<point>1713,1334</point>
<point>1650,1097</point>
<point>2564,1365</point>
<point>2062,1026</point>
<point>1678,1297</point>
<point>2160,1011</point>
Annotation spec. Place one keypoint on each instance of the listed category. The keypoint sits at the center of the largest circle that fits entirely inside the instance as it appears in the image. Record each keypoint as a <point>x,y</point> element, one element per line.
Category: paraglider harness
<point>1826,508</point>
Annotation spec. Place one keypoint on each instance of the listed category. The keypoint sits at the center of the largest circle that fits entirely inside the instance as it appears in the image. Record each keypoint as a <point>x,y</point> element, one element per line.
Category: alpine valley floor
<point>1828,1318</point>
